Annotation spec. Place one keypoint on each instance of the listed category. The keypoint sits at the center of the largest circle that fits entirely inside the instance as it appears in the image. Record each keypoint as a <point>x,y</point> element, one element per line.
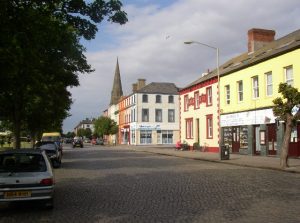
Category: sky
<point>151,44</point>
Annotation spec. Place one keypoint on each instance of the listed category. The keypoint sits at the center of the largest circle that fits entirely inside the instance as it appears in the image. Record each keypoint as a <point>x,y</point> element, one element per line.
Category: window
<point>145,98</point>
<point>209,127</point>
<point>186,102</point>
<point>269,84</point>
<point>171,115</point>
<point>289,75</point>
<point>240,91</point>
<point>146,137</point>
<point>227,94</point>
<point>158,99</point>
<point>171,99</point>
<point>255,87</point>
<point>158,115</point>
<point>145,115</point>
<point>197,101</point>
<point>209,96</point>
<point>167,136</point>
<point>189,128</point>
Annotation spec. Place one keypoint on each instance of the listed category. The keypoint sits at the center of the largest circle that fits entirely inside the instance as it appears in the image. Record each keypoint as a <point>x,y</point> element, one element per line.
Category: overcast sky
<point>151,45</point>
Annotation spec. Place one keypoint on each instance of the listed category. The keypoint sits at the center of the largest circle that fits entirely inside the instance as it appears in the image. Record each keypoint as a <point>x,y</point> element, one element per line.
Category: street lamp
<point>218,74</point>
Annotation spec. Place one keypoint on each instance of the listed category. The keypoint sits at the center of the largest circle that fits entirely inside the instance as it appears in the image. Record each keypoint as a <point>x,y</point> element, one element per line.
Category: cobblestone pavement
<point>105,184</point>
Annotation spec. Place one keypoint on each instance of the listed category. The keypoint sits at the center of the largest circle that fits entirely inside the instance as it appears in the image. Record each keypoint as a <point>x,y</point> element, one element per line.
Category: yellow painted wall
<point>276,65</point>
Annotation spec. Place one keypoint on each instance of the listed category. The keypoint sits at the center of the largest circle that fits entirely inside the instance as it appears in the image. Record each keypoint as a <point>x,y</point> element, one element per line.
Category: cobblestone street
<point>108,184</point>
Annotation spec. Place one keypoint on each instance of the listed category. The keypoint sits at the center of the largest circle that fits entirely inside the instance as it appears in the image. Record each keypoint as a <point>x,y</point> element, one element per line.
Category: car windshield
<point>22,162</point>
<point>46,146</point>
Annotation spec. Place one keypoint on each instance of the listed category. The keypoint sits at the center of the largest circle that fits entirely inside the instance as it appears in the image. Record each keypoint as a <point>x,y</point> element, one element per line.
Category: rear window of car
<point>22,163</point>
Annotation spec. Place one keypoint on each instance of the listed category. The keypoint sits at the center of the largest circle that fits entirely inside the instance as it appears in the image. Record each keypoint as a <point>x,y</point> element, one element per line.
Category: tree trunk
<point>286,141</point>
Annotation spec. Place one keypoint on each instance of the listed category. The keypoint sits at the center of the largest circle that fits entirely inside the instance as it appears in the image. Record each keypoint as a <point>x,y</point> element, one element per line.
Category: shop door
<point>294,146</point>
<point>158,132</point>
<point>271,139</point>
<point>256,144</point>
<point>235,139</point>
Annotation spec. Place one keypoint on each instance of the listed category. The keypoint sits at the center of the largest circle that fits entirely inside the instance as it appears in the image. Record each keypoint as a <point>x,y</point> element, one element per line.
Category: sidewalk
<point>235,159</point>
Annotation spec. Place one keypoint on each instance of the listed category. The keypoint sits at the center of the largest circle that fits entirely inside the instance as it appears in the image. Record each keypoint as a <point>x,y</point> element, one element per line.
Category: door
<point>235,139</point>
<point>256,143</point>
<point>271,139</point>
<point>158,132</point>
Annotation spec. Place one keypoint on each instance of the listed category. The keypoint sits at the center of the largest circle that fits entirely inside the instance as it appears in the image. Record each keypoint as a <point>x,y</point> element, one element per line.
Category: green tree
<point>41,56</point>
<point>105,126</point>
<point>283,110</point>
<point>81,132</point>
<point>88,133</point>
<point>70,135</point>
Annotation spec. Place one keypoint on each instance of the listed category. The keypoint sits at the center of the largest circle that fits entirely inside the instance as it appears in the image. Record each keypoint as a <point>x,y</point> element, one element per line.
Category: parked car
<point>97,141</point>
<point>26,175</point>
<point>68,140</point>
<point>87,140</point>
<point>53,151</point>
<point>77,141</point>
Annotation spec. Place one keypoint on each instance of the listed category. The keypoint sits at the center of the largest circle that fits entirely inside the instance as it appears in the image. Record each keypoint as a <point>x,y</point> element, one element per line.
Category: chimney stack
<point>134,87</point>
<point>258,38</point>
<point>141,83</point>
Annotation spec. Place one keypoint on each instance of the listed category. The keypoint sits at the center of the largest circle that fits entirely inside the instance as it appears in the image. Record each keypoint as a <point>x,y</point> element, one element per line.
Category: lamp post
<point>218,74</point>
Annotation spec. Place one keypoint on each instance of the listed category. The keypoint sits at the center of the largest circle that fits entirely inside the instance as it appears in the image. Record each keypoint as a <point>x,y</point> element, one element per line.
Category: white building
<point>150,115</point>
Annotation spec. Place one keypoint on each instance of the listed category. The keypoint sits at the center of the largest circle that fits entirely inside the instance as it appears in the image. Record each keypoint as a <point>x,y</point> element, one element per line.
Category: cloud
<point>151,45</point>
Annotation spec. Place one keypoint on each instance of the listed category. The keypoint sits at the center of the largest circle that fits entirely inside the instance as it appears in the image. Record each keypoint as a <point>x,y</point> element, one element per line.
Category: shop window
<point>294,135</point>
<point>167,136</point>
<point>145,136</point>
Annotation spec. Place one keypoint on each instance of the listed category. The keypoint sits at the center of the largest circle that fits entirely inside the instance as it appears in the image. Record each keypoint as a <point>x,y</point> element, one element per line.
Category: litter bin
<point>224,152</point>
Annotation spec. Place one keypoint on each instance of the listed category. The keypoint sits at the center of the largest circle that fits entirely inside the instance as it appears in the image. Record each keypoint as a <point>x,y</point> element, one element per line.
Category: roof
<point>159,88</point>
<point>273,49</point>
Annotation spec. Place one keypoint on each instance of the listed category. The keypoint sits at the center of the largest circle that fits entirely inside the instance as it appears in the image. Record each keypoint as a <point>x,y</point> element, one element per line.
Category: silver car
<point>26,175</point>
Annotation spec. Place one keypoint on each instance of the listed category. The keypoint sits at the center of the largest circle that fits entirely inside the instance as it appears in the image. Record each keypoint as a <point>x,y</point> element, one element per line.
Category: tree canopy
<point>41,57</point>
<point>105,126</point>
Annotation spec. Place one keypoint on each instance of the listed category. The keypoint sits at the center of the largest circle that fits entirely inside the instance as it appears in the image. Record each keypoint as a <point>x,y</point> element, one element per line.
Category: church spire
<point>117,91</point>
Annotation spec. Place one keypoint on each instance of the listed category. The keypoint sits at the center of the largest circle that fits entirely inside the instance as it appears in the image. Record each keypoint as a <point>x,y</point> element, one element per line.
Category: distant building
<point>150,115</point>
<point>85,124</point>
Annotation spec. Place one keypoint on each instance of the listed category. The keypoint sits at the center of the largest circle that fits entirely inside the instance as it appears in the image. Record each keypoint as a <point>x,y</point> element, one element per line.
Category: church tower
<point>117,91</point>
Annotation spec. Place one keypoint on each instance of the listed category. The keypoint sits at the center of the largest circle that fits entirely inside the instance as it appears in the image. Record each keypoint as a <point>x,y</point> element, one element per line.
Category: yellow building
<point>198,113</point>
<point>248,85</point>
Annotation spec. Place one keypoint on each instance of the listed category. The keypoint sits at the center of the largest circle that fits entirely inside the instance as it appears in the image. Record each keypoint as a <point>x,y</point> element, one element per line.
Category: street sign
<point>295,110</point>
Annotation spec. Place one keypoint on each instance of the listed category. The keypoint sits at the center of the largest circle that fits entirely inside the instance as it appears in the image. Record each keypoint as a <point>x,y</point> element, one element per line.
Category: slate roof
<point>273,49</point>
<point>159,88</point>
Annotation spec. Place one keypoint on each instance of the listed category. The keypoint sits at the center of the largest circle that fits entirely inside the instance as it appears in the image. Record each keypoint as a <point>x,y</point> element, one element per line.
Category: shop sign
<point>149,127</point>
<point>248,118</point>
